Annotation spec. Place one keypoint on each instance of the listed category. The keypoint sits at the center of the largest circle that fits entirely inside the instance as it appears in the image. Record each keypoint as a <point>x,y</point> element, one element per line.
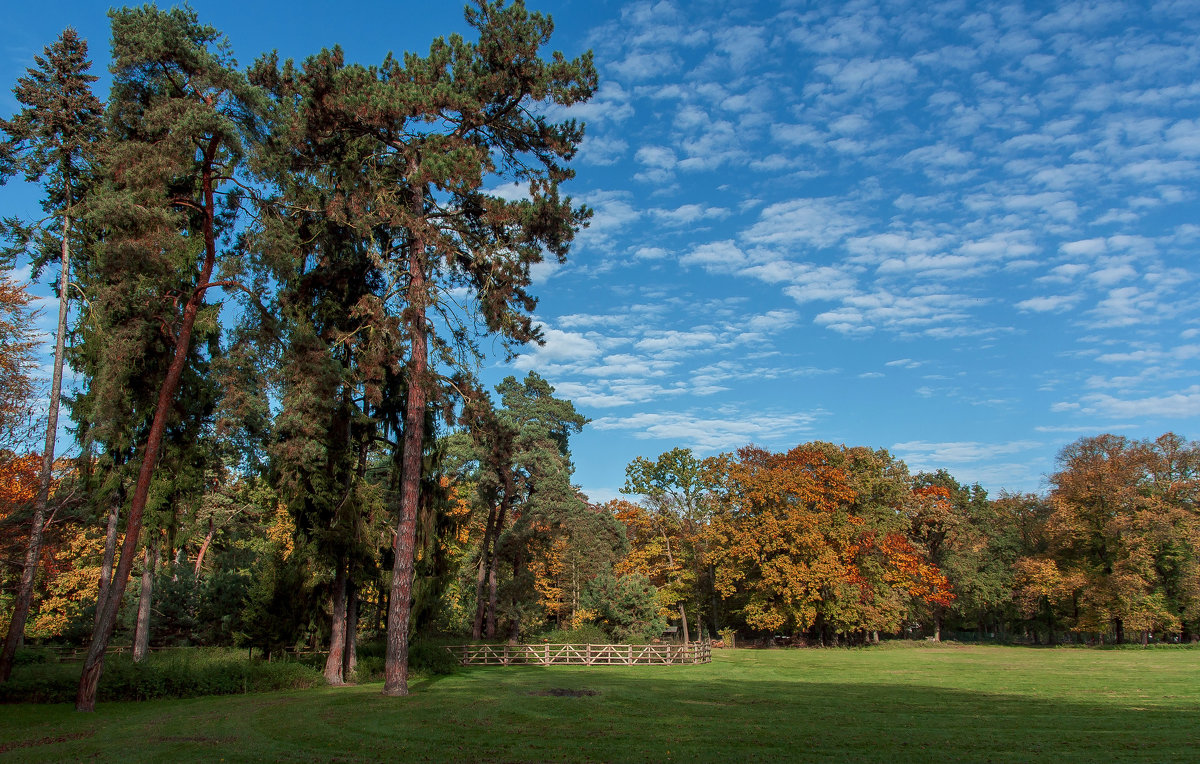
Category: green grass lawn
<point>994,704</point>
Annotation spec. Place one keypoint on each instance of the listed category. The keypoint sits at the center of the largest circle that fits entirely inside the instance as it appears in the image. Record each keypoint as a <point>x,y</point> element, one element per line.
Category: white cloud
<point>960,452</point>
<point>559,347</point>
<point>1049,303</point>
<point>706,433</point>
<point>1169,406</point>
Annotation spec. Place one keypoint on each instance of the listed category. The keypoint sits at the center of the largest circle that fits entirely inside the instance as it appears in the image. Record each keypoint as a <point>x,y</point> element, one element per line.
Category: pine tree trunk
<point>480,590</point>
<point>337,635</point>
<point>400,601</point>
<point>208,537</point>
<point>350,654</point>
<point>93,665</point>
<point>494,562</point>
<point>110,552</point>
<point>33,553</point>
<point>514,625</point>
<point>141,633</point>
<point>493,601</point>
<point>481,578</point>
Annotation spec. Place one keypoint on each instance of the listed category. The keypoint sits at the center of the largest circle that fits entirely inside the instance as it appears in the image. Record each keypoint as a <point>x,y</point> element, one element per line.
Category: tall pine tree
<point>433,131</point>
<point>177,114</point>
<point>50,141</point>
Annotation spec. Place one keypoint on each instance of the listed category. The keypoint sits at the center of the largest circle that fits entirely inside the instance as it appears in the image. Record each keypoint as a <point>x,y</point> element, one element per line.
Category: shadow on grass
<point>685,714</point>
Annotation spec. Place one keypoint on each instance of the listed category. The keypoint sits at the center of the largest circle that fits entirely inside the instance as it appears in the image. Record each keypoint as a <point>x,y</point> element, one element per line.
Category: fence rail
<point>581,655</point>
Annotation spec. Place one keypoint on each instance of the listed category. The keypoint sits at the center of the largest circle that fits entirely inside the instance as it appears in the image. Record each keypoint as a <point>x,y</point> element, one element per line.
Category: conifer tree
<point>50,141</point>
<point>476,98</point>
<point>433,132</point>
<point>176,113</point>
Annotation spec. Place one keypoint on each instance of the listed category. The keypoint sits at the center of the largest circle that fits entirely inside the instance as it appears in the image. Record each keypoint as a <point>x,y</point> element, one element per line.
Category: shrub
<point>586,634</point>
<point>188,673</point>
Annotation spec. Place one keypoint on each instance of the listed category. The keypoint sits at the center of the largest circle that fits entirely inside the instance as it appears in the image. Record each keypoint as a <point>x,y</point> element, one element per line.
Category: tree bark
<point>208,537</point>
<point>514,625</point>
<point>683,619</point>
<point>93,665</point>
<point>337,636</point>
<point>493,601</point>
<point>33,553</point>
<point>400,603</point>
<point>350,654</point>
<point>481,578</point>
<point>141,633</point>
<point>494,562</point>
<point>110,551</point>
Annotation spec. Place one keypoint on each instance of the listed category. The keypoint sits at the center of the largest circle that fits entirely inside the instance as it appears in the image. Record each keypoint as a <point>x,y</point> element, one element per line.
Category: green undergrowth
<point>187,673</point>
<point>195,672</point>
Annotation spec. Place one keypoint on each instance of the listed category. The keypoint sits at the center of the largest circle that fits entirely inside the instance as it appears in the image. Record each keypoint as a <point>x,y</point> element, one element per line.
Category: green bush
<point>425,656</point>
<point>174,674</point>
<point>28,655</point>
<point>587,634</point>
<point>431,658</point>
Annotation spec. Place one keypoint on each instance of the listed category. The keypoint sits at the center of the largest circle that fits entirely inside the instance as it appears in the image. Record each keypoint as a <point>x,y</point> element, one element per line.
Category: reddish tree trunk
<point>208,537</point>
<point>400,599</point>
<point>93,664</point>
<point>337,636</point>
<point>350,654</point>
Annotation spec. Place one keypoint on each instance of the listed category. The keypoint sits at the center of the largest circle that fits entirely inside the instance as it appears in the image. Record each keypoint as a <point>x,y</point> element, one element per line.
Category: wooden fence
<point>581,655</point>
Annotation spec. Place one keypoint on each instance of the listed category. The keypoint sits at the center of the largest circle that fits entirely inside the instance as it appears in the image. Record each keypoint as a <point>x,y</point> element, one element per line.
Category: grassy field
<point>993,704</point>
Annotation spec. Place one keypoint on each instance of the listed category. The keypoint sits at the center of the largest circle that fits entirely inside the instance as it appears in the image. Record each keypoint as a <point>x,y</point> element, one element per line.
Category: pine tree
<point>434,131</point>
<point>177,114</point>
<point>50,141</point>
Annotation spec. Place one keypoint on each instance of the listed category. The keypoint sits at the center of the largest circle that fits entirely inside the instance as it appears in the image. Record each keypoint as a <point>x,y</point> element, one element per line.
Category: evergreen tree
<point>49,141</point>
<point>176,115</point>
<point>434,131</point>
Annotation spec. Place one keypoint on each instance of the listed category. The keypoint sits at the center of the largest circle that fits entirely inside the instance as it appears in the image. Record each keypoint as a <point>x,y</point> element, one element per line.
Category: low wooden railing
<point>581,655</point>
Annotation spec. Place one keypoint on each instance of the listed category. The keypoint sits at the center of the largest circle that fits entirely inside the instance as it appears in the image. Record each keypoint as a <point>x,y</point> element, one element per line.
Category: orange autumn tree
<point>18,486</point>
<point>1122,553</point>
<point>772,538</point>
<point>809,541</point>
<point>934,527</point>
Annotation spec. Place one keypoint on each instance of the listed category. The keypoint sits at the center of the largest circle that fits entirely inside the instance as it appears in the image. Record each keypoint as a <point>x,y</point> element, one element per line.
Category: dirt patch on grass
<point>195,739</point>
<point>563,692</point>
<point>6,747</point>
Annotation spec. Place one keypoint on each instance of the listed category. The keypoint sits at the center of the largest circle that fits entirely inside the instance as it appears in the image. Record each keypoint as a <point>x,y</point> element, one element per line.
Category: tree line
<point>345,210</point>
<point>835,545</point>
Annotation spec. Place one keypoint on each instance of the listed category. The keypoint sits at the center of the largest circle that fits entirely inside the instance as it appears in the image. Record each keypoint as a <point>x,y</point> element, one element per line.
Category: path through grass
<point>997,704</point>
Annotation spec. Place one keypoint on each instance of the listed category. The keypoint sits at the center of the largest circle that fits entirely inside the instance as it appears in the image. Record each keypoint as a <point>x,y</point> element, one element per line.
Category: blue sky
<point>960,231</point>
